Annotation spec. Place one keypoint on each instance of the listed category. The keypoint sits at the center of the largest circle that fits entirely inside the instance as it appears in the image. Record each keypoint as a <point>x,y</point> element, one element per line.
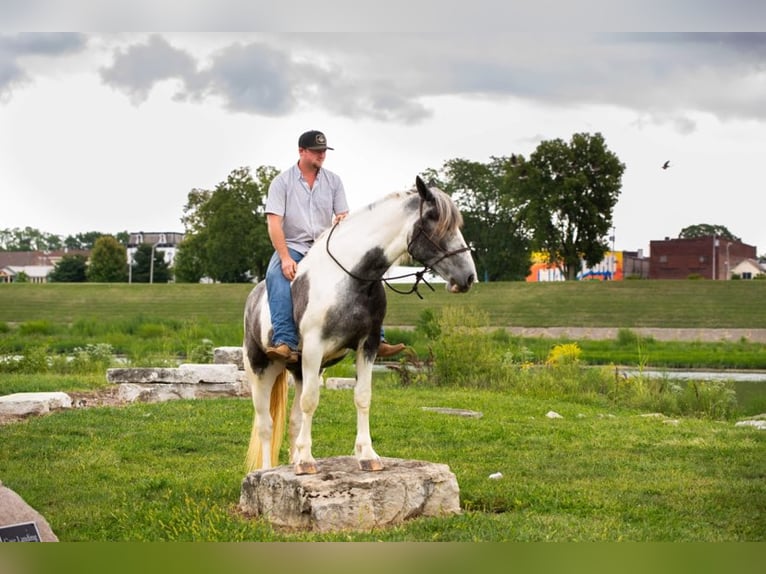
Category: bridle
<point>419,275</point>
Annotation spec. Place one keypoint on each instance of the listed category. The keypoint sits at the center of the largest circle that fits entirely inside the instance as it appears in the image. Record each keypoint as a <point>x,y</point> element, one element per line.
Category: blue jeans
<point>281,302</point>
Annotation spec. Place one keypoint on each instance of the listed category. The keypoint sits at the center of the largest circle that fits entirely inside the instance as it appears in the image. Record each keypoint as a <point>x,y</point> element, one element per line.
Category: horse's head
<point>436,240</point>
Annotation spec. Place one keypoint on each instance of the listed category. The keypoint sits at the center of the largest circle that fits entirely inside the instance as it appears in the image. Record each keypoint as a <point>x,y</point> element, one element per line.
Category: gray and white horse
<point>339,303</point>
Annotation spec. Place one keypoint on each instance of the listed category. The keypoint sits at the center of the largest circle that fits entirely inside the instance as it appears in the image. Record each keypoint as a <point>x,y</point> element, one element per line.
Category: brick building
<point>707,257</point>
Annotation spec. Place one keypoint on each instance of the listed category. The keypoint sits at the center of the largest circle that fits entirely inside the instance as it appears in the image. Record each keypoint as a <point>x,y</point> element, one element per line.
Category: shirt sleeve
<point>276,199</point>
<point>339,202</point>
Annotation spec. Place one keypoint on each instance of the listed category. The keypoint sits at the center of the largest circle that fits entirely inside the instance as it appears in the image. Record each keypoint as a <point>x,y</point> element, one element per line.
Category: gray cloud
<point>664,78</point>
<point>15,47</point>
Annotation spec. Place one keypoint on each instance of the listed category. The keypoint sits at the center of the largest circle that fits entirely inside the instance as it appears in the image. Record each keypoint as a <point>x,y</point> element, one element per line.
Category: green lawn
<point>690,304</point>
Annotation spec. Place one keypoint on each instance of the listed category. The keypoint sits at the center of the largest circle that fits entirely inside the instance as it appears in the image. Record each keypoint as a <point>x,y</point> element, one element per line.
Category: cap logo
<point>320,139</point>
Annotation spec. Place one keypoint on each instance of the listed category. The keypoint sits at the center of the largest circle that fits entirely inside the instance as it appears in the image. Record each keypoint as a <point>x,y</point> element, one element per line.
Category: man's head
<point>313,140</point>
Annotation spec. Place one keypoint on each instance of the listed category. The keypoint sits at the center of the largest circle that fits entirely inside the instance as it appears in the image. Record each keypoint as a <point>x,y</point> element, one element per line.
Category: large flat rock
<point>342,497</point>
<point>14,510</point>
<point>25,404</point>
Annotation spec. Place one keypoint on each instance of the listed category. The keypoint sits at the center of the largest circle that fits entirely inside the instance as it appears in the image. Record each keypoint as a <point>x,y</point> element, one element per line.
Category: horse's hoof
<point>305,468</point>
<point>371,465</point>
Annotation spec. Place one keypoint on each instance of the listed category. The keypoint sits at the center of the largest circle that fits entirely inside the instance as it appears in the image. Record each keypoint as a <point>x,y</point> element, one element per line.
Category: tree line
<point>558,202</point>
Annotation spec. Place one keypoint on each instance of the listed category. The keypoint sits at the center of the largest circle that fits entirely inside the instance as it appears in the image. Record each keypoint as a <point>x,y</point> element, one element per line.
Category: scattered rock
<point>455,412</point>
<point>759,424</point>
<point>228,355</point>
<point>496,475</point>
<point>340,383</point>
<point>553,415</point>
<point>342,497</point>
<point>26,404</point>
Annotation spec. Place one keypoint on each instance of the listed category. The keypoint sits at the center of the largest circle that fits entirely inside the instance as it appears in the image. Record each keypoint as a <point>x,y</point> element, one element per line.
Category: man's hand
<point>289,268</point>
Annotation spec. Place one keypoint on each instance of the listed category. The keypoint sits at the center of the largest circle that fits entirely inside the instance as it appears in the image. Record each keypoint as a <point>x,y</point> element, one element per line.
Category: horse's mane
<point>445,212</point>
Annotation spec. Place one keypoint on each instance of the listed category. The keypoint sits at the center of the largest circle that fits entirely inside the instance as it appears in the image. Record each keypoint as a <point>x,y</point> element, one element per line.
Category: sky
<point>110,131</point>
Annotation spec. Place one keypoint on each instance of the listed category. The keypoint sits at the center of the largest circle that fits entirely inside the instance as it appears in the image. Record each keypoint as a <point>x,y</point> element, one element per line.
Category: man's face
<point>314,157</point>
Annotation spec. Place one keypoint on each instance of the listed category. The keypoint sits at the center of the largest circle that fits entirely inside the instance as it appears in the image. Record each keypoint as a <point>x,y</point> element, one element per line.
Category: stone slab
<point>228,355</point>
<point>342,497</point>
<point>161,392</point>
<point>187,373</point>
<point>25,404</point>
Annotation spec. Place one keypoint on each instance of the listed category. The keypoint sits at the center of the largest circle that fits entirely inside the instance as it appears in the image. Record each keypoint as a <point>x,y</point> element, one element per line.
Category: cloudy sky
<point>110,131</point>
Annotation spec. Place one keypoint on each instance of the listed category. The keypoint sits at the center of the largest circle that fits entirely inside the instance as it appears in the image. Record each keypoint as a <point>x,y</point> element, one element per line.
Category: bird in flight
<point>666,165</point>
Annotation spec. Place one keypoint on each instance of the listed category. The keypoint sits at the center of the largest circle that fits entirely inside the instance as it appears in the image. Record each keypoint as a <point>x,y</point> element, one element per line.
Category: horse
<point>339,303</point>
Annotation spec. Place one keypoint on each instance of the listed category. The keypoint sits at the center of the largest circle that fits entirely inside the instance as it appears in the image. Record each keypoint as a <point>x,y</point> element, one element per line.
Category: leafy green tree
<point>108,261</point>
<point>28,239</point>
<point>72,268</point>
<point>88,239</point>
<point>487,197</point>
<point>228,226</point>
<point>707,230</point>
<point>142,269</point>
<point>188,265</point>
<point>569,192</point>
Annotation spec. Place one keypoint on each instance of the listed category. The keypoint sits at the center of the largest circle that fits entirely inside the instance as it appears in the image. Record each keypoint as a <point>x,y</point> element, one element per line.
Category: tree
<point>486,196</point>
<point>108,261</point>
<point>28,239</point>
<point>227,225</point>
<point>70,269</point>
<point>188,265</point>
<point>142,269</point>
<point>569,192</point>
<point>707,230</point>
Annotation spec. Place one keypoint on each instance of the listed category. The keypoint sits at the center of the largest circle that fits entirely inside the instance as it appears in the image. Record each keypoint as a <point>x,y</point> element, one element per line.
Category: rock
<point>342,497</point>
<point>14,510</point>
<point>161,392</point>
<point>188,373</point>
<point>25,404</point>
<point>456,412</point>
<point>228,355</point>
<point>553,415</point>
<point>340,383</point>
<point>759,424</point>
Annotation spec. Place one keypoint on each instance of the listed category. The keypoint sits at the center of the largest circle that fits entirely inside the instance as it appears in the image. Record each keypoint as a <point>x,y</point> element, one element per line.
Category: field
<point>604,472</point>
<point>630,304</point>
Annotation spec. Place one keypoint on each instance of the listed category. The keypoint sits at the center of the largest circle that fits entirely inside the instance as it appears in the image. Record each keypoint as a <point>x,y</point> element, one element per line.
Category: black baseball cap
<point>313,140</point>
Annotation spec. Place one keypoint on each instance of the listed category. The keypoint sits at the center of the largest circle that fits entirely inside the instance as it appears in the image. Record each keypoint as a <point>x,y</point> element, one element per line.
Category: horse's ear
<point>423,190</point>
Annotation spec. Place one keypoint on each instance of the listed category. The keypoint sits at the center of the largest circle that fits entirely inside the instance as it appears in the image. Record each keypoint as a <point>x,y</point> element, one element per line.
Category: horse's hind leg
<point>366,456</point>
<point>261,385</point>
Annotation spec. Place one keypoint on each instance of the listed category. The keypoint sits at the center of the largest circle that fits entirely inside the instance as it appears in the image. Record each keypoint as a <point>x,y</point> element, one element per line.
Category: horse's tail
<point>278,412</point>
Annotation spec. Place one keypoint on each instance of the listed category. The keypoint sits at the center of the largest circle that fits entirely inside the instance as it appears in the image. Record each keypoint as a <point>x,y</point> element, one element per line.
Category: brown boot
<point>387,350</point>
<point>282,353</point>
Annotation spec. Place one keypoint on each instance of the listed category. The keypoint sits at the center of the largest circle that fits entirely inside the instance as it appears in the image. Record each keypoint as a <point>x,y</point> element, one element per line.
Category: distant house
<point>707,257</point>
<point>165,241</point>
<point>35,265</point>
<point>747,269</point>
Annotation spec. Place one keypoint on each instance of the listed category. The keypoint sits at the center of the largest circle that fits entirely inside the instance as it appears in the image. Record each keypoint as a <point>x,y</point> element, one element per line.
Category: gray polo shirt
<point>306,212</point>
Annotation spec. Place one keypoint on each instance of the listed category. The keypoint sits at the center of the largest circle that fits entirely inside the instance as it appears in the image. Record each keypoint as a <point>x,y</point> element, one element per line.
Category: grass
<point>629,304</point>
<point>172,471</point>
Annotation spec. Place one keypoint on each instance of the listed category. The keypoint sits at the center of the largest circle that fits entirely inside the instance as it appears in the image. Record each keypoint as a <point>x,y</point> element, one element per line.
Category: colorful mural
<point>609,269</point>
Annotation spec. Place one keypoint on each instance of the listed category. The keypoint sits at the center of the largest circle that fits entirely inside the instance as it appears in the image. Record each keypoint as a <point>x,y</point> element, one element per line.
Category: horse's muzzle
<point>460,287</point>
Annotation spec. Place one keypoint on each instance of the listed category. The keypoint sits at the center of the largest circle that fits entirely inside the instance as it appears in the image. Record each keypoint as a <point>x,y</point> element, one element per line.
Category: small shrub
<point>566,354</point>
<point>201,353</point>
<point>4,327</point>
<point>40,327</point>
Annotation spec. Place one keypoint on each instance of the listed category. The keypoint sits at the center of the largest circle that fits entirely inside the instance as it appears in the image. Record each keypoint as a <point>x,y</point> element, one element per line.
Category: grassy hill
<point>670,304</point>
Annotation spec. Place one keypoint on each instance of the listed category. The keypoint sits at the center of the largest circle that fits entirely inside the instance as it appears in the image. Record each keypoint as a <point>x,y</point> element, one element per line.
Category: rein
<point>419,275</point>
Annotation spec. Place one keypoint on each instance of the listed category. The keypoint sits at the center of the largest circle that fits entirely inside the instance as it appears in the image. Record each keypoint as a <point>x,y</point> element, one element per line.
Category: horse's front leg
<point>311,365</point>
<point>366,456</point>
<point>295,419</point>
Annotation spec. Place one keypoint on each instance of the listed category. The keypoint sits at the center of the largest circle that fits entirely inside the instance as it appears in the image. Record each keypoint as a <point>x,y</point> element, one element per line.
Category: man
<point>303,201</point>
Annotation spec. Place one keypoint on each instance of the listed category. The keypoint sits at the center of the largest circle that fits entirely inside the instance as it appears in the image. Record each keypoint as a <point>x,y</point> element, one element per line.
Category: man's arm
<point>277,236</point>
